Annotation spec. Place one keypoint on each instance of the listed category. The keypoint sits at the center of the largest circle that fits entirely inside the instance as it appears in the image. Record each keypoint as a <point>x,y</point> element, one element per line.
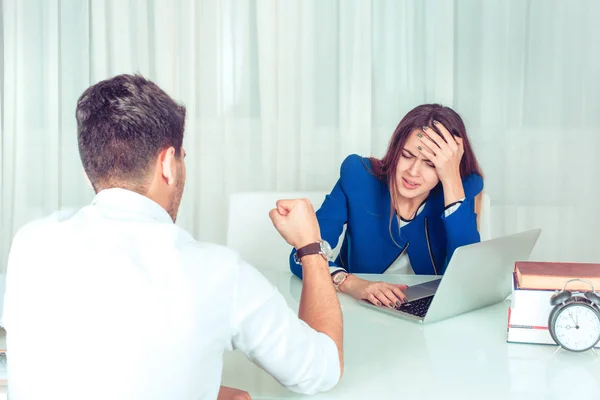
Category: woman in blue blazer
<point>409,210</point>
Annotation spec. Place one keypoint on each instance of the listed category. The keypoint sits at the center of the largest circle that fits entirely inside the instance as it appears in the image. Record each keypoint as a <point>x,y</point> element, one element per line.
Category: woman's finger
<point>428,154</point>
<point>399,293</point>
<point>447,148</point>
<point>446,134</point>
<point>394,300</point>
<point>440,146</point>
<point>373,299</point>
<point>383,299</point>
<point>434,137</point>
<point>428,143</point>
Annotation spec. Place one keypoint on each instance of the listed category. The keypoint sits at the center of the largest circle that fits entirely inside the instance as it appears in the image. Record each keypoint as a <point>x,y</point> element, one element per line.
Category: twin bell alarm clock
<point>574,322</point>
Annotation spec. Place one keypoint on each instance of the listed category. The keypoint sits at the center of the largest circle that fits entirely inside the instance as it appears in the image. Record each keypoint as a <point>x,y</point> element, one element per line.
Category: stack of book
<point>533,285</point>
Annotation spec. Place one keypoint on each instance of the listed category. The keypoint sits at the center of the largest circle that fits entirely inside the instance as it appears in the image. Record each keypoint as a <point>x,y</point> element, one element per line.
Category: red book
<point>554,275</point>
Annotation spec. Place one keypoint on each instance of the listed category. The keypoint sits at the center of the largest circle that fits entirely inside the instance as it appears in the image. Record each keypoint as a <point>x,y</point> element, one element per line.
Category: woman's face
<point>415,175</point>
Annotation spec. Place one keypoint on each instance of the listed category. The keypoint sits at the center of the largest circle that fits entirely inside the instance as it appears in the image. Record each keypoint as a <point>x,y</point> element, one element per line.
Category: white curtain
<point>278,92</point>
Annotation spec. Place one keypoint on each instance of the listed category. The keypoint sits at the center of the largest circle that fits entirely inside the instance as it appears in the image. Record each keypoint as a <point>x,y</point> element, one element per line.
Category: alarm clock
<point>574,322</point>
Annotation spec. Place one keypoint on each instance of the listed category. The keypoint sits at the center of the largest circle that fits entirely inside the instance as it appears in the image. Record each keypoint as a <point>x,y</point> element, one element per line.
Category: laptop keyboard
<point>416,307</point>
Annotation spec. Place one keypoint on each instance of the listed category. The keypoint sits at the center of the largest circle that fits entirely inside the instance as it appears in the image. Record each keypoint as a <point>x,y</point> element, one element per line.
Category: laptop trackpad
<point>422,290</point>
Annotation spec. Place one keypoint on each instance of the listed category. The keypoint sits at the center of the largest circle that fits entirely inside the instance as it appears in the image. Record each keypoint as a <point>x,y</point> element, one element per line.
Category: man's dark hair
<point>123,123</point>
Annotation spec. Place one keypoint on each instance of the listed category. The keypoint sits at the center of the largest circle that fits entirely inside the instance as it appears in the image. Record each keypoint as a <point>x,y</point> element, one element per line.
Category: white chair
<point>251,233</point>
<point>485,219</point>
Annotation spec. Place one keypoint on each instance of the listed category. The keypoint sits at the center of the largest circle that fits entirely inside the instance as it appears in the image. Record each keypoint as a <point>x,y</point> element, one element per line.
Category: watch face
<point>326,250</point>
<point>339,277</point>
<point>575,326</point>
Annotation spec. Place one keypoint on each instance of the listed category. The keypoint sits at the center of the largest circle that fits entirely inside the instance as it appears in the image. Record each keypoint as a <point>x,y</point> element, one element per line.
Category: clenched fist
<point>296,221</point>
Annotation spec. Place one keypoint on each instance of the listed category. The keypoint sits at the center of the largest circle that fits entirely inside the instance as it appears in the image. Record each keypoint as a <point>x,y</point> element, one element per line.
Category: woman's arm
<point>460,218</point>
<point>462,224</point>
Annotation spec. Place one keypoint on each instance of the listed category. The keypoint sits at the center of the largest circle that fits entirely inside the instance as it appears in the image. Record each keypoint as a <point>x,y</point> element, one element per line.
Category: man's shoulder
<point>46,223</point>
<point>39,232</point>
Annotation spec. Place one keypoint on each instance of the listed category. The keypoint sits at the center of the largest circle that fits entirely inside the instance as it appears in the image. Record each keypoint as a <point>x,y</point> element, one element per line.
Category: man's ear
<point>168,164</point>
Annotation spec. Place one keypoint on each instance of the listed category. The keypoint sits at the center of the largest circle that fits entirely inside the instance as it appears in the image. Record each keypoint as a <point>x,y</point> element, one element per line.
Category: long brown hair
<point>425,114</point>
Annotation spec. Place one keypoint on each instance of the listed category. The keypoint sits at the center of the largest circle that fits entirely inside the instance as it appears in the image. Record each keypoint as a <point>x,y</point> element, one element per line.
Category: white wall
<point>279,92</point>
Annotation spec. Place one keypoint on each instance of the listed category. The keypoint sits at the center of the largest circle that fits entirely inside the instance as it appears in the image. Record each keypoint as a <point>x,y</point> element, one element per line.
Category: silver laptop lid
<point>480,274</point>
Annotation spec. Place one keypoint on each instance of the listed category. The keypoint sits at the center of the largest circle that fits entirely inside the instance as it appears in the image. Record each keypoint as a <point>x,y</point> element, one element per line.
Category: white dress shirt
<point>115,301</point>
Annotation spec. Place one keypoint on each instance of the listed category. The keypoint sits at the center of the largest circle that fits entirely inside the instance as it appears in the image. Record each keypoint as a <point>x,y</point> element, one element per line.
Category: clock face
<point>576,327</point>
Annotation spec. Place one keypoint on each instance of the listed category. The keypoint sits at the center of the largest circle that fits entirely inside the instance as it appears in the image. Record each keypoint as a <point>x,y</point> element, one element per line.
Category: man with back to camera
<point>116,301</point>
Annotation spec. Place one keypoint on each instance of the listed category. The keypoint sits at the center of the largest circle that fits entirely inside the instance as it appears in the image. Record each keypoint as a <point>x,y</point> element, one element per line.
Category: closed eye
<point>407,154</point>
<point>428,162</point>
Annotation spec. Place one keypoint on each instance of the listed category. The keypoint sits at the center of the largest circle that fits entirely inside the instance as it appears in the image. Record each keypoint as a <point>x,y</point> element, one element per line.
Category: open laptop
<point>477,276</point>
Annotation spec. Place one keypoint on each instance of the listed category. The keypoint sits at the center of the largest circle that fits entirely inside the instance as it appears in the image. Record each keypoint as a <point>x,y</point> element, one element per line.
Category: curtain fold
<point>279,92</point>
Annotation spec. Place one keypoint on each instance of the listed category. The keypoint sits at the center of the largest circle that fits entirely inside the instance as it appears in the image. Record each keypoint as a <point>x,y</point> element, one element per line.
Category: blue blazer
<point>371,244</point>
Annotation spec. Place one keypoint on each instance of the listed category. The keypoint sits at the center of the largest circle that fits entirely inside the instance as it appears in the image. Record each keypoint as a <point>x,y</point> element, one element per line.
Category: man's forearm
<point>227,393</point>
<point>319,305</point>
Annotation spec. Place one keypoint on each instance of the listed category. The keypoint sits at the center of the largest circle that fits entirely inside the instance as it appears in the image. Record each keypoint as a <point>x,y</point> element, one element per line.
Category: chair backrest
<point>251,232</point>
<point>485,219</point>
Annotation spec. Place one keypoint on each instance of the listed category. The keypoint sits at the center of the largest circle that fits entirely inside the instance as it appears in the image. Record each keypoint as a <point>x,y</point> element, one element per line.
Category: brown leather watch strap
<point>313,248</point>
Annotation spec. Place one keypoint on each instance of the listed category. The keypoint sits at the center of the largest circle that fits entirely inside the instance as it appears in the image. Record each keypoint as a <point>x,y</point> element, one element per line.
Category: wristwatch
<point>338,278</point>
<point>321,247</point>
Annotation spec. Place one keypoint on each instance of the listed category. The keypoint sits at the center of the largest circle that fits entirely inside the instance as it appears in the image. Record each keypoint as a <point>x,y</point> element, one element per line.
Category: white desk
<point>465,357</point>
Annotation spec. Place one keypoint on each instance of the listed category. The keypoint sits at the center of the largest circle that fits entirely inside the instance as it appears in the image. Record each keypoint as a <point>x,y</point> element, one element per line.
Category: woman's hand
<point>378,293</point>
<point>445,154</point>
